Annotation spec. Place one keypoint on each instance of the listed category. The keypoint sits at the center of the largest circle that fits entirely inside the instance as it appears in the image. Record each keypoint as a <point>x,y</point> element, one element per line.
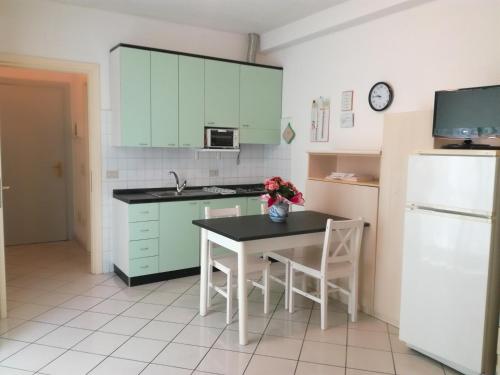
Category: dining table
<point>253,234</point>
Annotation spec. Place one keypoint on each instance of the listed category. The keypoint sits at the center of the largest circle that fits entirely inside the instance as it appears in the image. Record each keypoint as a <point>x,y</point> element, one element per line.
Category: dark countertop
<point>135,196</point>
<point>257,227</point>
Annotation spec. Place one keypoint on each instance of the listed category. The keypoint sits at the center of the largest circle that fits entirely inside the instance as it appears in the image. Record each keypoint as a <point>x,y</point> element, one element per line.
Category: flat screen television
<point>467,113</point>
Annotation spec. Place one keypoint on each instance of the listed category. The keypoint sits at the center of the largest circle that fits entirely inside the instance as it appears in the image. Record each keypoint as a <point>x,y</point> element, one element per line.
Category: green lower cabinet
<point>143,230</point>
<point>143,266</point>
<point>179,238</point>
<point>143,248</point>
<point>253,206</point>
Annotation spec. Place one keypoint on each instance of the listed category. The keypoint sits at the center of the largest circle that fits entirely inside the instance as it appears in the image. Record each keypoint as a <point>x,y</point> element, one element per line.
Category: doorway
<point>92,221</point>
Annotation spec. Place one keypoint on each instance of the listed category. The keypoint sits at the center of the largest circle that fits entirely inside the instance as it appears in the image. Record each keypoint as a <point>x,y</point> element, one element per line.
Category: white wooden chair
<point>283,257</point>
<point>228,264</point>
<point>338,259</point>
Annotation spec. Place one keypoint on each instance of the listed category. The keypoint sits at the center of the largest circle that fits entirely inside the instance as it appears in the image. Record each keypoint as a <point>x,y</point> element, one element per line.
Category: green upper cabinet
<point>164,99</point>
<point>191,101</point>
<point>135,97</point>
<point>260,104</point>
<point>222,93</point>
<point>179,238</point>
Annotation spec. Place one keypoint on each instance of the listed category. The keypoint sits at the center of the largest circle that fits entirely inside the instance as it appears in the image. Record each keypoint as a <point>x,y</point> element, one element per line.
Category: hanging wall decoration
<point>288,133</point>
<point>320,119</point>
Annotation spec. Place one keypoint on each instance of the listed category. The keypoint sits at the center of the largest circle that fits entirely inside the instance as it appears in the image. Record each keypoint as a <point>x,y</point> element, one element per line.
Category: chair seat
<point>230,263</point>
<point>311,263</point>
<point>282,256</point>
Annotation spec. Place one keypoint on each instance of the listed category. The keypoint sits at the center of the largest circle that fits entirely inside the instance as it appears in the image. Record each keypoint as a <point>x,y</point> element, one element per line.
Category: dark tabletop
<point>257,227</point>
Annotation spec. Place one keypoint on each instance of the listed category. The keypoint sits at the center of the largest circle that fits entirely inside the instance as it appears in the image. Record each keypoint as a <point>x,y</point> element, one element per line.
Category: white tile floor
<point>63,320</point>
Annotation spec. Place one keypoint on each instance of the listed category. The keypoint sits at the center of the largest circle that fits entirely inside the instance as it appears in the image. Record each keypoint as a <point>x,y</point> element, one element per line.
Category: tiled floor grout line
<point>264,331</point>
<point>303,339</point>
<point>63,325</point>
<point>93,331</point>
<point>221,333</point>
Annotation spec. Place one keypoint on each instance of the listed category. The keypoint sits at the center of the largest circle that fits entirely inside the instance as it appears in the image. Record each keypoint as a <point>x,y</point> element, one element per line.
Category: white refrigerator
<point>450,283</point>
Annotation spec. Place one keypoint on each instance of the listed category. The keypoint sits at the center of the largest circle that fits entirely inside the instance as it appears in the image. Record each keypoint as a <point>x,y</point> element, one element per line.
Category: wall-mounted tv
<point>467,113</point>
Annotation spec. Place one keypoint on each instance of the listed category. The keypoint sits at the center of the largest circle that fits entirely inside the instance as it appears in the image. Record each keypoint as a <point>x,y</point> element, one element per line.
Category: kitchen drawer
<point>143,266</point>
<point>143,230</point>
<point>143,248</point>
<point>143,212</point>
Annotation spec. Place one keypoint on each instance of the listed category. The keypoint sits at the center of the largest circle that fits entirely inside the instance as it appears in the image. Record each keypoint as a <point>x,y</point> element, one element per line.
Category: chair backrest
<point>342,242</point>
<point>212,213</point>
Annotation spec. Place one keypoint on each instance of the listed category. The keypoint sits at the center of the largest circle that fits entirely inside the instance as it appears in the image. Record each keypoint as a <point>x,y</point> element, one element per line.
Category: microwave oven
<point>222,138</point>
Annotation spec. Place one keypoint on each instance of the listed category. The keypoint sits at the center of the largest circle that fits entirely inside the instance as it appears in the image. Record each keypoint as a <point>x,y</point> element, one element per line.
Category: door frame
<point>91,70</point>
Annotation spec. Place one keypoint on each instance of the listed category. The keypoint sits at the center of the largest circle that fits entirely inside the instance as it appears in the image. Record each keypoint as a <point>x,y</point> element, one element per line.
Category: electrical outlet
<point>213,173</point>
<point>112,174</point>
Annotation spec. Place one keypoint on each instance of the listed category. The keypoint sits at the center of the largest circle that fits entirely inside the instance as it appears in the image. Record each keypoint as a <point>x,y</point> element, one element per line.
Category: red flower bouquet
<point>281,191</point>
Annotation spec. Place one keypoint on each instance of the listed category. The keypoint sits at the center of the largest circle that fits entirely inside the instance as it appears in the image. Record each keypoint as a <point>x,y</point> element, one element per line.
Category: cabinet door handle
<point>144,248</point>
<point>145,212</point>
<point>187,144</point>
<point>144,267</point>
<point>143,144</point>
<point>192,203</point>
<point>144,230</point>
<point>245,125</point>
<point>210,123</point>
<point>172,144</point>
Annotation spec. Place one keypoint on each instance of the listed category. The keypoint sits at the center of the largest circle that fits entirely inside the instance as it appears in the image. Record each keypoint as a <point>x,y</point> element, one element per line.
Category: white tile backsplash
<point>149,167</point>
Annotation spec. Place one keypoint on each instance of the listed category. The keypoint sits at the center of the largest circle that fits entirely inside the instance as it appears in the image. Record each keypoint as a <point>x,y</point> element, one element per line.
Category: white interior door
<point>33,163</point>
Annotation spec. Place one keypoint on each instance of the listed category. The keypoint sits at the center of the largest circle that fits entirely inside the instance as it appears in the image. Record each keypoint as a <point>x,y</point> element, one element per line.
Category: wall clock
<point>380,96</point>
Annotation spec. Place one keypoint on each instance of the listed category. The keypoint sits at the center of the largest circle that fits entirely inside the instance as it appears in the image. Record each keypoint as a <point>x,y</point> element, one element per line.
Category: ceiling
<point>241,16</point>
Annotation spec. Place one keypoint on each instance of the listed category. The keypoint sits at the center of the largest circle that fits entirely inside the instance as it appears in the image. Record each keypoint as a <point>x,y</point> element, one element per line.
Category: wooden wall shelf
<point>374,183</point>
<point>367,163</point>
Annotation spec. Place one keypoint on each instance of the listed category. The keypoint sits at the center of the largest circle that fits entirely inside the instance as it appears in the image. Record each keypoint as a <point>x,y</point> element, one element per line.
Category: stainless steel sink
<point>173,193</point>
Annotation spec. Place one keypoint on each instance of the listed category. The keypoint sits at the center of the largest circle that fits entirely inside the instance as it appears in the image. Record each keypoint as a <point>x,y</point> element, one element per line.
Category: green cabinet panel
<point>222,93</point>
<point>143,248</point>
<point>191,101</point>
<point>143,212</point>
<point>253,205</point>
<point>164,99</point>
<point>260,103</point>
<point>143,266</point>
<point>179,238</point>
<point>143,230</point>
<point>260,136</point>
<point>135,99</point>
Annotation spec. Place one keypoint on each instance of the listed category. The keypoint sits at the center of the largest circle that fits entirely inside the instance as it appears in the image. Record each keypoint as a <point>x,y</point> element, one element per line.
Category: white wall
<point>50,29</point>
<point>443,44</point>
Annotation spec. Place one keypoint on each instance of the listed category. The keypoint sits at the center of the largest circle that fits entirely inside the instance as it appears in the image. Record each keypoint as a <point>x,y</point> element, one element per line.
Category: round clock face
<point>380,96</point>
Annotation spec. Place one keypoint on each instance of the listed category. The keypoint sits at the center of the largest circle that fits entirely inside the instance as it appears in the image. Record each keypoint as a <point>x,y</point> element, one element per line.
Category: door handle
<point>58,168</point>
<point>5,187</point>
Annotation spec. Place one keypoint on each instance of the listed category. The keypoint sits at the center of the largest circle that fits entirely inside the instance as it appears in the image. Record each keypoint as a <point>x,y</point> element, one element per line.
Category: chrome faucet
<point>179,188</point>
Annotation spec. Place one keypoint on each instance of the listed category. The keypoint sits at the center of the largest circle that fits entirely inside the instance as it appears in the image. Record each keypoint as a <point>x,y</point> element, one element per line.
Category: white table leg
<point>203,273</point>
<point>242,296</point>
